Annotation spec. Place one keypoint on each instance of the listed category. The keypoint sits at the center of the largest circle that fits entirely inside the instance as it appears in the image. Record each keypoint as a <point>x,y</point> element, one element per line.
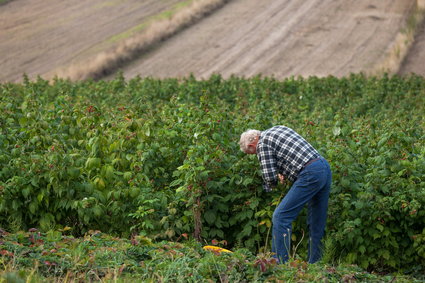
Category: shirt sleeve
<point>268,165</point>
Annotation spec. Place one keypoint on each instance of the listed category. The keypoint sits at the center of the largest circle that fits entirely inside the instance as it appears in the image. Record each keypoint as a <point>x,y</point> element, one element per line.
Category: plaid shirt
<point>281,150</point>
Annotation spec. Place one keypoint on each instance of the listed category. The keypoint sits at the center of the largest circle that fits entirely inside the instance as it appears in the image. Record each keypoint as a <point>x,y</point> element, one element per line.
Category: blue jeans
<point>312,186</point>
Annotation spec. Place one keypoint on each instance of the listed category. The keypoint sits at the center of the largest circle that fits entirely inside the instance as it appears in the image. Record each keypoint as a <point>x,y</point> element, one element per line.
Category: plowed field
<point>39,36</point>
<point>279,38</point>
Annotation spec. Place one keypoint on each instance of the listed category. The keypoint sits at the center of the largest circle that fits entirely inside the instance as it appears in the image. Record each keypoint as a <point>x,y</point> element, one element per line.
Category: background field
<point>175,38</point>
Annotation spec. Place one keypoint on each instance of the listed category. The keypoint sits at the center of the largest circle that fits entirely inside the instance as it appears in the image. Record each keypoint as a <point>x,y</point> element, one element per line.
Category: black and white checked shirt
<point>281,150</point>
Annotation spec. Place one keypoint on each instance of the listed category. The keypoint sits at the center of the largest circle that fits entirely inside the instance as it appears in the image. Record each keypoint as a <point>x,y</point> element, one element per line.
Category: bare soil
<point>415,60</point>
<point>279,38</point>
<point>39,36</point>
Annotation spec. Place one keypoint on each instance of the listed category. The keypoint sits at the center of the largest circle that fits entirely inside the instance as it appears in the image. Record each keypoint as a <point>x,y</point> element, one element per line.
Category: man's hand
<point>281,178</point>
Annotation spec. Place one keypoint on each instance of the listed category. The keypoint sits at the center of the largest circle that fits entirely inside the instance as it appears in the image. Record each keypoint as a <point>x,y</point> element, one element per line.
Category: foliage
<point>57,257</point>
<point>160,158</point>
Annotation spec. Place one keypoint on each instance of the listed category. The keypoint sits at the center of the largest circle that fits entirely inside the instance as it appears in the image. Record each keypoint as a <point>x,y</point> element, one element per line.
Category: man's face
<point>252,147</point>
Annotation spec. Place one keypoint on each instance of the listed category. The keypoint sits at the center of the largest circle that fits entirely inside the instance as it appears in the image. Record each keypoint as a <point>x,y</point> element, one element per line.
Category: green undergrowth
<point>57,257</point>
<point>160,158</point>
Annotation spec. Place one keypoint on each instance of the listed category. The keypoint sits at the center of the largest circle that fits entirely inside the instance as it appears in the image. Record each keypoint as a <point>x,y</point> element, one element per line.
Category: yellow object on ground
<point>216,249</point>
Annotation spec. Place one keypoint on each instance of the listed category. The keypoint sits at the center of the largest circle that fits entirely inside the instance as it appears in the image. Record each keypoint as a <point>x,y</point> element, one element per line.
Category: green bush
<point>161,158</point>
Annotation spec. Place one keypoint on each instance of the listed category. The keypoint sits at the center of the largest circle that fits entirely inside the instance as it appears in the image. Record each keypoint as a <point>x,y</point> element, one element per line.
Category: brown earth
<point>281,38</point>
<point>277,38</point>
<point>415,60</point>
<point>39,36</point>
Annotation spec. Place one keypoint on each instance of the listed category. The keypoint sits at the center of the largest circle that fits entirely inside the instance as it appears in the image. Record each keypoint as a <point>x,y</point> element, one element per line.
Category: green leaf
<point>73,172</point>
<point>364,263</point>
<point>127,176</point>
<point>97,211</point>
<point>247,181</point>
<point>134,192</point>
<point>109,172</point>
<point>34,182</point>
<point>247,230</point>
<point>33,207</point>
<point>336,131</point>
<point>385,254</point>
<point>23,121</point>
<point>180,189</point>
<point>383,141</point>
<point>93,163</point>
<point>210,216</point>
<point>26,192</point>
<point>40,197</point>
<point>53,236</point>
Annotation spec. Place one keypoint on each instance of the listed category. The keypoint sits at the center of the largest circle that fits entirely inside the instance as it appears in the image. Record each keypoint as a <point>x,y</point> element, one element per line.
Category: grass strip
<point>404,40</point>
<point>155,30</point>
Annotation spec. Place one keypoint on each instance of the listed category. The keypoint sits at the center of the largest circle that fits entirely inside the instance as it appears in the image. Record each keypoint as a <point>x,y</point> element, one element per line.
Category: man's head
<point>249,140</point>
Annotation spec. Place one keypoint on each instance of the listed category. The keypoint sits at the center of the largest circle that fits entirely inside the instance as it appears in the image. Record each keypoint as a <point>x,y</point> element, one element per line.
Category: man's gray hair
<point>248,137</point>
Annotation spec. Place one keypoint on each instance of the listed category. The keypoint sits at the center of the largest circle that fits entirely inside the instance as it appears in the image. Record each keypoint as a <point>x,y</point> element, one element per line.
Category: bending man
<point>285,155</point>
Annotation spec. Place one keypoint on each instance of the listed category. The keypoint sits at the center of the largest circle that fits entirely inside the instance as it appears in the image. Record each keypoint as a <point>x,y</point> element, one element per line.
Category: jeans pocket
<point>314,173</point>
<point>314,177</point>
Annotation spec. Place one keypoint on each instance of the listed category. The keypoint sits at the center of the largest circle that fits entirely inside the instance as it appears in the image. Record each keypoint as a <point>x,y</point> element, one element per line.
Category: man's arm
<point>268,165</point>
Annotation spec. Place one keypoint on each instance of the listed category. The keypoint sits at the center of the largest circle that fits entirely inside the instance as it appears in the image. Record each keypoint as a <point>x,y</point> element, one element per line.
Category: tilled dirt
<point>279,38</point>
<point>39,36</point>
<point>415,60</point>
